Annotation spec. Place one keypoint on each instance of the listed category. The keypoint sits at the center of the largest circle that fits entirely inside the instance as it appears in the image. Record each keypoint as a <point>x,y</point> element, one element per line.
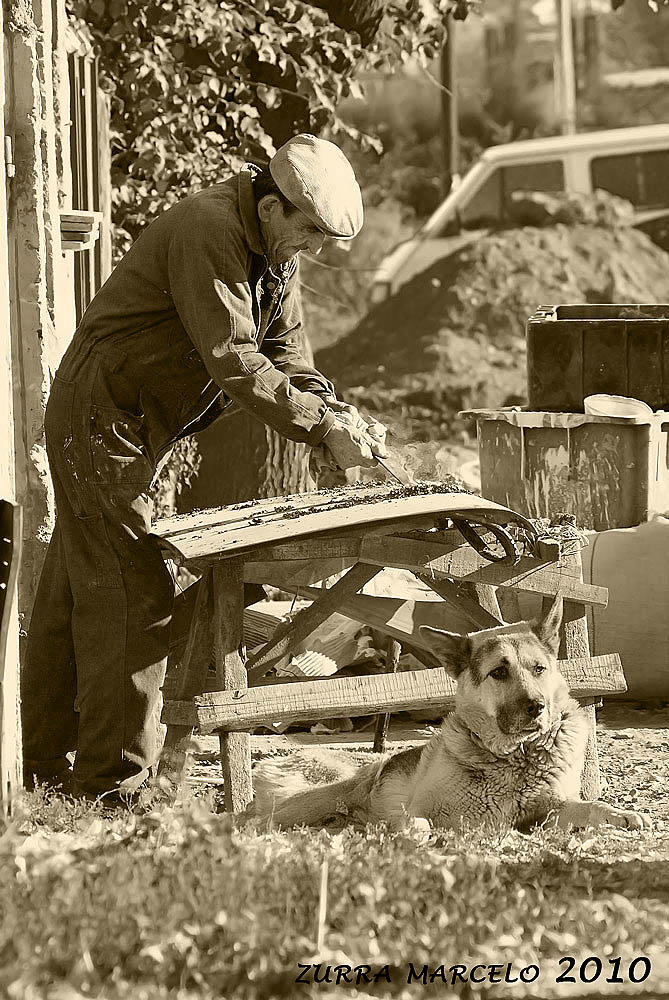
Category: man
<point>202,311</point>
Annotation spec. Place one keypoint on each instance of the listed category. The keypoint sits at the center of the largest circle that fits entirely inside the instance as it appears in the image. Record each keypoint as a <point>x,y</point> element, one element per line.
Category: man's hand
<point>374,431</point>
<point>348,445</point>
<point>347,411</point>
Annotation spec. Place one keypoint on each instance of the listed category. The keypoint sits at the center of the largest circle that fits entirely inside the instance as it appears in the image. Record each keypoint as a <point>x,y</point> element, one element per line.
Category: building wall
<point>36,297</point>
<point>9,670</point>
<point>42,306</point>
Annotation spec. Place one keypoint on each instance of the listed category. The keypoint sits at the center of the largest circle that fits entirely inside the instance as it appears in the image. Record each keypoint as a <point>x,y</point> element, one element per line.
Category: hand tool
<point>394,468</point>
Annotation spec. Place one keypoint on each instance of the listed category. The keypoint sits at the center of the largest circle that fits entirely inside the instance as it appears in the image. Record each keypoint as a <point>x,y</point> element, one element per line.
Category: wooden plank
<point>296,572</point>
<point>529,574</point>
<point>242,513</point>
<point>228,628</point>
<point>401,618</point>
<point>604,671</point>
<point>347,547</point>
<point>476,601</point>
<point>343,696</point>
<point>393,652</point>
<point>185,680</point>
<point>179,713</point>
<point>305,621</point>
<point>345,509</point>
<point>371,695</point>
<point>393,616</point>
<point>575,642</point>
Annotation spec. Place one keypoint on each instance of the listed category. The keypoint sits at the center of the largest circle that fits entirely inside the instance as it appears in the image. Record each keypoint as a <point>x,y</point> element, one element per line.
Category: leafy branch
<point>199,86</point>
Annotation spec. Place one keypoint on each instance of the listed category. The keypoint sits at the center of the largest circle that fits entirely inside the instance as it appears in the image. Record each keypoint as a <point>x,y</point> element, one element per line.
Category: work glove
<point>348,445</point>
<point>370,428</point>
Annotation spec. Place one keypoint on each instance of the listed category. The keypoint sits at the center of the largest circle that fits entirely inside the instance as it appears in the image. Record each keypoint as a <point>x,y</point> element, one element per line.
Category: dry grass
<point>185,903</point>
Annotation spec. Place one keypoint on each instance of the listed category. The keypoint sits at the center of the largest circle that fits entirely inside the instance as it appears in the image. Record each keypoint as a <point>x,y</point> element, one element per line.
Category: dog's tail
<point>287,806</point>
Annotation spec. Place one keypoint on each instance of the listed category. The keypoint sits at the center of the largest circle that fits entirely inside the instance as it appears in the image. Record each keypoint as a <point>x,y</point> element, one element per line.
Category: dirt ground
<point>453,338</point>
<point>633,742</point>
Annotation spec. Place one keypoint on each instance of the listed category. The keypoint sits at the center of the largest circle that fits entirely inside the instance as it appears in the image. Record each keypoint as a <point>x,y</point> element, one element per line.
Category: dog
<point>511,753</point>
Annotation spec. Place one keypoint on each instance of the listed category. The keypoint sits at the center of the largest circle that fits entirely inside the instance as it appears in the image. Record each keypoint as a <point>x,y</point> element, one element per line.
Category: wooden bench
<point>355,533</point>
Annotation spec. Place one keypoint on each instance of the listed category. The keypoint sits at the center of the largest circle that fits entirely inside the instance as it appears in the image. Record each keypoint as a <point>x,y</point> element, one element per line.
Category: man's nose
<point>315,243</point>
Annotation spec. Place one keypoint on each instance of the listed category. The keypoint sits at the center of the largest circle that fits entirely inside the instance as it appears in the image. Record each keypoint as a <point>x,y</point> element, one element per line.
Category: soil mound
<point>454,337</point>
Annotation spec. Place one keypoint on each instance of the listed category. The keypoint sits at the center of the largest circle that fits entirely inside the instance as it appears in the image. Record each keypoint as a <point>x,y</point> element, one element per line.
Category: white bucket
<point>604,405</point>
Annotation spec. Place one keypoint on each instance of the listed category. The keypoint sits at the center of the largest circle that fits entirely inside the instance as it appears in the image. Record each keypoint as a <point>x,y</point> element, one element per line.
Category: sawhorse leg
<point>228,627</point>
<point>393,652</point>
<point>575,629</point>
<point>191,680</point>
<point>574,643</point>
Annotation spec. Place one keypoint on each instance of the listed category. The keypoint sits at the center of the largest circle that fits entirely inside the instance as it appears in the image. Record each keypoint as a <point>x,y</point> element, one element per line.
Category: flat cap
<point>315,176</point>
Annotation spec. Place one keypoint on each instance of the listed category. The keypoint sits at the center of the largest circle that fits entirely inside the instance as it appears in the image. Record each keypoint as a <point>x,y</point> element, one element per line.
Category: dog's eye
<point>539,668</point>
<point>499,673</point>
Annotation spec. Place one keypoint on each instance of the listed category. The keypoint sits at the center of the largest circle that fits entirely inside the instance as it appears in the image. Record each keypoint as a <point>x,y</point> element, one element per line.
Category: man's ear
<point>547,628</point>
<point>452,650</point>
<point>266,206</point>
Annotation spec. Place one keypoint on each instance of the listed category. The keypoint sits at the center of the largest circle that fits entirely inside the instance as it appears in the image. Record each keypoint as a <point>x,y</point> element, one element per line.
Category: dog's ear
<point>452,650</point>
<point>547,629</point>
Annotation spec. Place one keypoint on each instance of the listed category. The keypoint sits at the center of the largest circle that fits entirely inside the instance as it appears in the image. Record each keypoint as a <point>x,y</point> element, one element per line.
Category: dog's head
<point>510,690</point>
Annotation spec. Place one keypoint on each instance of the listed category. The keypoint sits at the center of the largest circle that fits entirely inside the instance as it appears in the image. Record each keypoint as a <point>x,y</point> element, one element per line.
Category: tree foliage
<point>197,86</point>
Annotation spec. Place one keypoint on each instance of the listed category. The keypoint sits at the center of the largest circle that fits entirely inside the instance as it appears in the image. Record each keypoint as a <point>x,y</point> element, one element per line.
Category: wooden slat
<point>391,615</point>
<point>231,676</point>
<point>401,618</point>
<point>464,563</point>
<point>475,600</point>
<point>347,547</point>
<point>371,695</point>
<point>343,696</point>
<point>296,572</point>
<point>393,653</point>
<point>187,679</point>
<point>305,621</point>
<point>228,532</point>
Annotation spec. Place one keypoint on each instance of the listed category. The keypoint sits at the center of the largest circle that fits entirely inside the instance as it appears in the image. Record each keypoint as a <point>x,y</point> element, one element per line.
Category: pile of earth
<point>454,337</point>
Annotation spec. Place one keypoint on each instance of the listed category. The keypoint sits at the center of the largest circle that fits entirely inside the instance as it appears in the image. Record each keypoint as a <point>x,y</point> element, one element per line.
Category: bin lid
<point>604,404</point>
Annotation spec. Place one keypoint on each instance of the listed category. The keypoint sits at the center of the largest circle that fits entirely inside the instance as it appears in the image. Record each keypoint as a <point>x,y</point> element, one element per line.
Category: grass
<point>184,903</point>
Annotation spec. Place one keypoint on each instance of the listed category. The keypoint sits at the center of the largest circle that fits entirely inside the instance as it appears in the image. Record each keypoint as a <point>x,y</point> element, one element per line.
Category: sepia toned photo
<point>334,499</point>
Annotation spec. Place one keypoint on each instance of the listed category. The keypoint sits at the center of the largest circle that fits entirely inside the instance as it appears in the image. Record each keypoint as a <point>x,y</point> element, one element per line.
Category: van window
<point>488,207</point>
<point>639,177</point>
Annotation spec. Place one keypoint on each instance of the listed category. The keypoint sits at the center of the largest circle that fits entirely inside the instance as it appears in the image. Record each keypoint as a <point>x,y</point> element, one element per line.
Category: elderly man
<point>202,311</point>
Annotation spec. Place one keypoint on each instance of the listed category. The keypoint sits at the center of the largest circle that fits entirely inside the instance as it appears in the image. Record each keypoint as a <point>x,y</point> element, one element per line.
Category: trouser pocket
<point>66,448</point>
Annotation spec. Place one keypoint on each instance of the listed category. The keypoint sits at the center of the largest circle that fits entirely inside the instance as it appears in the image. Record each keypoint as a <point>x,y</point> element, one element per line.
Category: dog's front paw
<point>594,814</point>
<point>627,819</point>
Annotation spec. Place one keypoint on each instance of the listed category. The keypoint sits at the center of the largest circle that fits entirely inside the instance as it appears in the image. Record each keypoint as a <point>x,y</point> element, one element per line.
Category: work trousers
<point>99,634</point>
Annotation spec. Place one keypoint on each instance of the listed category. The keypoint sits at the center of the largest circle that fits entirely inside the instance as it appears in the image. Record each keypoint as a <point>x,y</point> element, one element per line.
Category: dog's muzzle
<point>522,716</point>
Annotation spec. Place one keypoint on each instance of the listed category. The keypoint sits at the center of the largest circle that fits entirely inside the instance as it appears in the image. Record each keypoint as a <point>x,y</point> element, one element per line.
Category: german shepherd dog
<point>509,755</point>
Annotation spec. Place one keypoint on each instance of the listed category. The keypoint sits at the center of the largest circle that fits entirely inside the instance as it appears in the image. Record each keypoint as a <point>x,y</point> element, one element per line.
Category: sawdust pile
<point>454,337</point>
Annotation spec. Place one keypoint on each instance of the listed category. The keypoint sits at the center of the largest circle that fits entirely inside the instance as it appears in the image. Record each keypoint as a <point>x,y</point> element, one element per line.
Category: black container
<point>574,351</point>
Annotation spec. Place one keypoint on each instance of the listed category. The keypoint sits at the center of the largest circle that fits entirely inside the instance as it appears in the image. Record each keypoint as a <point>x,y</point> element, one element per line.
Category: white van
<point>630,162</point>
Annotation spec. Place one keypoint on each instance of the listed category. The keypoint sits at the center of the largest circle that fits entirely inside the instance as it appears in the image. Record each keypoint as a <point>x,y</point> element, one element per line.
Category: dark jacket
<point>191,319</point>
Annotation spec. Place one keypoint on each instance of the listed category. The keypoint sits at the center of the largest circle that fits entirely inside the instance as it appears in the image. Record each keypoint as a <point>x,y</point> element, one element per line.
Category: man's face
<point>286,231</point>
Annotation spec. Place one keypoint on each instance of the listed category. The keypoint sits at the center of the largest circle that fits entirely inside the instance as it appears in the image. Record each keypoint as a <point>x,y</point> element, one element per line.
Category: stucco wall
<point>9,670</point>
<point>42,306</point>
<point>36,300</point>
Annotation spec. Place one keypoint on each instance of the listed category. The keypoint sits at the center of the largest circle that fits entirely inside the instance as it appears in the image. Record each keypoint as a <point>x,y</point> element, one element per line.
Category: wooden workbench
<point>349,534</point>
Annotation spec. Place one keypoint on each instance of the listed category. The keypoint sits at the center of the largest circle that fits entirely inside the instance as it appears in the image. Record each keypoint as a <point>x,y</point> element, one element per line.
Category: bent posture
<point>202,312</point>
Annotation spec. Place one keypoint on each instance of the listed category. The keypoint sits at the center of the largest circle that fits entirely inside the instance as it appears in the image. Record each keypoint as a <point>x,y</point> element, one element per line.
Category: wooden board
<point>237,711</point>
<point>231,531</point>
<point>465,564</point>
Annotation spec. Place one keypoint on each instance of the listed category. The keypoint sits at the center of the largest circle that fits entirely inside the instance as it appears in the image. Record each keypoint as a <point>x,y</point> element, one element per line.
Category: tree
<point>198,86</point>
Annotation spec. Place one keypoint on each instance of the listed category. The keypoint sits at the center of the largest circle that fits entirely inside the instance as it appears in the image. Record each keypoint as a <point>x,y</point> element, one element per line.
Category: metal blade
<point>395,469</point>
